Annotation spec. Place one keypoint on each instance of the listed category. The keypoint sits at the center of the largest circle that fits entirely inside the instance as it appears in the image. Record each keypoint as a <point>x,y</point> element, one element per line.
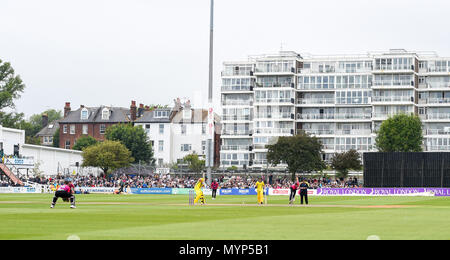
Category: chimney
<point>67,109</point>
<point>133,110</point>
<point>44,120</point>
<point>141,110</point>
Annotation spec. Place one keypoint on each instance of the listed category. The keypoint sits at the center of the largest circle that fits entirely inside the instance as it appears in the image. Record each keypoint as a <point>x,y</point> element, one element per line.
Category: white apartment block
<point>342,100</point>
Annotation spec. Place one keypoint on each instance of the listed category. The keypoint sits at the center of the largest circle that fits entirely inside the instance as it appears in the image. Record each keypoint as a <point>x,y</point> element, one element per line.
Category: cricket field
<point>169,217</point>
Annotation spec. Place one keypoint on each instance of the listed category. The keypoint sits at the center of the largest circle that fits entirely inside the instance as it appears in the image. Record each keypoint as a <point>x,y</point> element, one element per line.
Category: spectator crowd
<point>179,181</point>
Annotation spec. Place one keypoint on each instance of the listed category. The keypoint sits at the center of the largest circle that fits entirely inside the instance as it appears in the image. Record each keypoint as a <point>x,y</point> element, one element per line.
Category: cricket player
<point>259,186</point>
<point>65,192</point>
<point>304,191</point>
<point>294,189</point>
<point>198,190</point>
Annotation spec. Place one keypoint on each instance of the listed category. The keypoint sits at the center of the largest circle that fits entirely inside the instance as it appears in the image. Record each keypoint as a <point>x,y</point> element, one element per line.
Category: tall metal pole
<point>210,142</point>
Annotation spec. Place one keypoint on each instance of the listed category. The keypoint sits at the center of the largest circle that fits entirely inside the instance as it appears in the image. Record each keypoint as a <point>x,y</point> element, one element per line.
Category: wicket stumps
<point>192,196</point>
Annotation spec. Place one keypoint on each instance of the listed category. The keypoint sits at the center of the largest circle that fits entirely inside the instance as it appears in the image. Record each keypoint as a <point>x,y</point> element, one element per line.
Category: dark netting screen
<point>396,170</point>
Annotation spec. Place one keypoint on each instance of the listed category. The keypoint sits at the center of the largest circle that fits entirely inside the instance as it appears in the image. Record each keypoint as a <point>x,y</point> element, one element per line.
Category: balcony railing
<point>405,83</point>
<point>333,116</point>
<point>260,162</point>
<point>274,131</point>
<point>237,103</point>
<point>238,73</point>
<point>434,86</point>
<point>436,101</point>
<point>237,88</point>
<point>238,132</point>
<point>316,87</point>
<point>275,85</point>
<point>436,132</point>
<point>392,99</point>
<point>315,101</point>
<point>316,132</point>
<point>286,115</point>
<point>235,147</point>
<point>275,100</point>
<point>438,148</point>
<point>236,118</point>
<point>442,116</point>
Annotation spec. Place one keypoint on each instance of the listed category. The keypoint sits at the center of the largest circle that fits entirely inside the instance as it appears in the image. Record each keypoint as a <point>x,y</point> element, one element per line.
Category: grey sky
<point>110,52</point>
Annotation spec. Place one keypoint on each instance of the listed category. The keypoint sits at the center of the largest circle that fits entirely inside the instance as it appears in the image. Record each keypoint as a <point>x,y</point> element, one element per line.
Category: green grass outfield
<point>29,216</point>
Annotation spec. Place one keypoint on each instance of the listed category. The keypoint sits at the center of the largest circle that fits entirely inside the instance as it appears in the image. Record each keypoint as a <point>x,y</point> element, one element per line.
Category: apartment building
<point>342,100</point>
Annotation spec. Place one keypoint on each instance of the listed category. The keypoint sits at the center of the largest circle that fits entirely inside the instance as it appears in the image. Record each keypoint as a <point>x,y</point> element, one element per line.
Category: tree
<point>346,161</point>
<point>84,142</point>
<point>195,163</point>
<point>400,133</point>
<point>56,138</point>
<point>11,86</point>
<point>135,139</point>
<point>52,114</point>
<point>301,153</point>
<point>107,155</point>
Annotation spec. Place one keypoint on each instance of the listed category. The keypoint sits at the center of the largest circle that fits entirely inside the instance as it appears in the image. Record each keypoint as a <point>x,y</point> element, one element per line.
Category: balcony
<point>352,116</point>
<point>237,103</point>
<point>235,148</point>
<point>245,73</point>
<point>395,84</point>
<point>236,118</point>
<point>354,132</point>
<point>436,132</point>
<point>237,88</point>
<point>330,87</point>
<point>274,131</point>
<point>380,99</point>
<point>260,162</point>
<point>316,101</point>
<point>276,116</point>
<point>438,148</point>
<point>444,86</point>
<point>274,100</point>
<point>237,132</point>
<point>275,85</point>
<point>443,116</point>
<point>436,101</point>
<point>316,132</point>
<point>315,116</point>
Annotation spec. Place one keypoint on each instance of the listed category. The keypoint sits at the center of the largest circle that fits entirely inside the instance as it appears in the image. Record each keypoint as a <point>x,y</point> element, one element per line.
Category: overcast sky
<point>94,52</point>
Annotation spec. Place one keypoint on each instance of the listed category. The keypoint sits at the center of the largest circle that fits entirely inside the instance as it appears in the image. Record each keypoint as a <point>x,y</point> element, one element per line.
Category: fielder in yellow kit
<point>198,190</point>
<point>260,190</point>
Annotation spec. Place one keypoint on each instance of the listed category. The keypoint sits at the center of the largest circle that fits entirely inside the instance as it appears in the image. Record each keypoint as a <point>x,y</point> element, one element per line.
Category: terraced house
<point>341,99</point>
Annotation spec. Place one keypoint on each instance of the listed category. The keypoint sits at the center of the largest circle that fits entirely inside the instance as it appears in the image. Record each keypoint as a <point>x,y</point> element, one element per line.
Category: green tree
<point>301,153</point>
<point>195,163</point>
<point>135,139</point>
<point>107,155</point>
<point>346,161</point>
<point>11,86</point>
<point>52,114</point>
<point>84,142</point>
<point>56,138</point>
<point>400,133</point>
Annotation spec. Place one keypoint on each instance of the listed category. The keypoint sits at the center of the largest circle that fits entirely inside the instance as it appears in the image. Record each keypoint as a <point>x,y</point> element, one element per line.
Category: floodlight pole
<point>210,152</point>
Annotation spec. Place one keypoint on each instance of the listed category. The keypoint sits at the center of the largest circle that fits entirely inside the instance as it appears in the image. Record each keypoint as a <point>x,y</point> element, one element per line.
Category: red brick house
<point>91,121</point>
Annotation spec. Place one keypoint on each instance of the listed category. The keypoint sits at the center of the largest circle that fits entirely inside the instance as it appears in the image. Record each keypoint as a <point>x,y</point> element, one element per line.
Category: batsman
<point>198,191</point>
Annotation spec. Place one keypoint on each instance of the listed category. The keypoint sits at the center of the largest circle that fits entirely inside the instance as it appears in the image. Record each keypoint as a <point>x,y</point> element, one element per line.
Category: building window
<point>186,147</point>
<point>72,129</point>
<point>105,114</point>
<point>161,114</point>
<point>102,129</point>
<point>160,162</point>
<point>65,129</point>
<point>161,146</point>
<point>203,129</point>
<point>50,139</point>
<point>161,129</point>
<point>204,147</point>
<point>67,145</point>
<point>84,114</point>
<point>147,128</point>
<point>183,129</point>
<point>85,129</point>
<point>45,139</point>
